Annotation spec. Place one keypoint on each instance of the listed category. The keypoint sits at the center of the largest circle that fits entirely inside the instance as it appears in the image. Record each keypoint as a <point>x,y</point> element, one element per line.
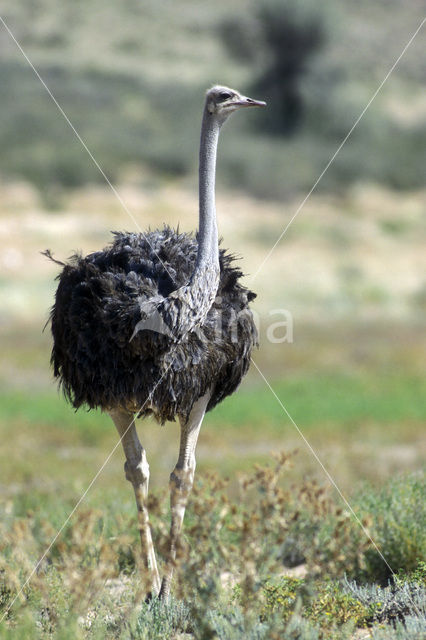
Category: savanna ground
<point>269,549</point>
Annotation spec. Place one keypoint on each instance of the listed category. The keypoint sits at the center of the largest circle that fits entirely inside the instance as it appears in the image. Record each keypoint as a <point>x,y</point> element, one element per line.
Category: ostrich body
<point>158,323</point>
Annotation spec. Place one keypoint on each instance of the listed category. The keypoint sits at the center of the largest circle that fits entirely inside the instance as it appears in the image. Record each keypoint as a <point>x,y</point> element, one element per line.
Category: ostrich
<point>157,324</point>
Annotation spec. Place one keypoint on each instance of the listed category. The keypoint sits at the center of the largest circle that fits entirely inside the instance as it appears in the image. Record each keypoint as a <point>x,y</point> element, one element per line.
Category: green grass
<point>341,401</point>
<point>49,409</point>
<point>363,427</point>
<point>338,401</point>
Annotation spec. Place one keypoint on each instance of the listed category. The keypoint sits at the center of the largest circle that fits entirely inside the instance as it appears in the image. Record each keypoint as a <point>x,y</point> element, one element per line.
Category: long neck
<point>186,308</point>
<point>208,253</point>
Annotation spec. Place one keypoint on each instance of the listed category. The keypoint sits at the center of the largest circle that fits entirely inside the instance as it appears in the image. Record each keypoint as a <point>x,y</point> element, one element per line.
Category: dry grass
<point>231,562</point>
<point>356,257</point>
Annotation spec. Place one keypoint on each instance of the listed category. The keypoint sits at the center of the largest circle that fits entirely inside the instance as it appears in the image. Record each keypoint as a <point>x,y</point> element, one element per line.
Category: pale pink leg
<point>181,481</point>
<point>137,472</point>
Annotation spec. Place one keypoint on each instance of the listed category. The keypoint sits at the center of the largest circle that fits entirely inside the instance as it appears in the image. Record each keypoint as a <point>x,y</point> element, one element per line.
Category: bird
<point>158,323</point>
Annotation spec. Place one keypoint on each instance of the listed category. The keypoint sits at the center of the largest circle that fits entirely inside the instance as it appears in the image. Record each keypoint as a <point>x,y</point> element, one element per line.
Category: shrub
<point>388,604</point>
<point>398,526</point>
<point>323,534</point>
<point>281,596</point>
<point>90,582</point>
<point>333,607</point>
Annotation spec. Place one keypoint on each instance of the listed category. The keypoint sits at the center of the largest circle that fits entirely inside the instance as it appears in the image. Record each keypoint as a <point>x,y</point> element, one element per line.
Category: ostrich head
<point>222,101</point>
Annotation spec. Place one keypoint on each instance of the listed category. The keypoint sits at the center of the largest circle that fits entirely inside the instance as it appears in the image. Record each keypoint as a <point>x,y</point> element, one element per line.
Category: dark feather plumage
<point>99,358</point>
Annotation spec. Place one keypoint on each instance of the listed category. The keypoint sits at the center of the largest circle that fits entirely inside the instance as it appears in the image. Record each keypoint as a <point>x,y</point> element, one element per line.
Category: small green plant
<point>398,526</point>
<point>418,575</point>
<point>332,607</point>
<point>161,621</point>
<point>281,596</point>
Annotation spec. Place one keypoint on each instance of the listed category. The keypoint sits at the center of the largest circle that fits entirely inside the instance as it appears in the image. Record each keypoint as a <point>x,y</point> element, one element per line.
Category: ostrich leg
<point>181,481</point>
<point>136,469</point>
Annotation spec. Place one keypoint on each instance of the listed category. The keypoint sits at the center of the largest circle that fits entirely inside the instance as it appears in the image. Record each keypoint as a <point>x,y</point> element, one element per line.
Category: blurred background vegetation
<point>131,76</point>
<point>131,80</point>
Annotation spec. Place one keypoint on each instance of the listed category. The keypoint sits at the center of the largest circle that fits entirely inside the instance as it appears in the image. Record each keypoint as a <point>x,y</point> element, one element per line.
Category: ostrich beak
<point>249,102</point>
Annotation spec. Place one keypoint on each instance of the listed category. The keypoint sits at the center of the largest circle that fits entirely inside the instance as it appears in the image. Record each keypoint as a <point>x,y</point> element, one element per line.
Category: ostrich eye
<point>224,96</point>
